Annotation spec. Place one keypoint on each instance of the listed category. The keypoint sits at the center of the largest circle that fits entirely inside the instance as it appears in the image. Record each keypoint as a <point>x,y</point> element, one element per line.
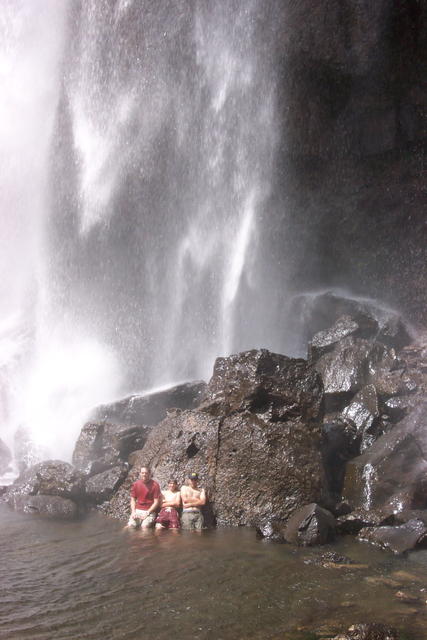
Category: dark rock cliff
<point>354,103</point>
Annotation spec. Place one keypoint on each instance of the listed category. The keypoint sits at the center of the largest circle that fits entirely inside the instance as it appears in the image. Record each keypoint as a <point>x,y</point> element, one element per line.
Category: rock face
<point>393,471</point>
<point>310,525</point>
<point>150,409</point>
<point>102,445</point>
<point>254,441</point>
<point>100,487</point>
<point>408,536</point>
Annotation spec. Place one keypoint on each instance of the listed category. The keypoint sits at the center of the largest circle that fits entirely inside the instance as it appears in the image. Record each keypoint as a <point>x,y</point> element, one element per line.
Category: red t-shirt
<point>145,493</point>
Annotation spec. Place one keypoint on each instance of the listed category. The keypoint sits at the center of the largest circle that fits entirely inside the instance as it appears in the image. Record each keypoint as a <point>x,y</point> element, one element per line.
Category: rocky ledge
<point>302,450</point>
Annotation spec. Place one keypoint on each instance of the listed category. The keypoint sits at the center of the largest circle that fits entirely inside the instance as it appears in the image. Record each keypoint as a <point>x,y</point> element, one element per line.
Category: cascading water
<point>146,178</point>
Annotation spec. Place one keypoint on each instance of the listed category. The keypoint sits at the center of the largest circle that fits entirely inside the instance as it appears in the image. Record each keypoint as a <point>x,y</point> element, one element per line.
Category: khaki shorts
<point>139,522</point>
<point>192,519</point>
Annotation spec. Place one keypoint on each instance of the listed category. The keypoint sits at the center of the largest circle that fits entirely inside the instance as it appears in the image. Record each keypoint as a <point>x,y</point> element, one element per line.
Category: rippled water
<point>94,580</point>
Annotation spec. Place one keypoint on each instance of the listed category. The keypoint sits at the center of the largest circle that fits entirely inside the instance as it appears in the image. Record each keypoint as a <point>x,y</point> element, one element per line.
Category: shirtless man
<point>168,517</point>
<point>193,497</point>
<point>145,500</point>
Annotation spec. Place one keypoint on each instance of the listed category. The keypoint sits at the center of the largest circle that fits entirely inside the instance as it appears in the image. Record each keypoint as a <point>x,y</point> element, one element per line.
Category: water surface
<point>94,580</point>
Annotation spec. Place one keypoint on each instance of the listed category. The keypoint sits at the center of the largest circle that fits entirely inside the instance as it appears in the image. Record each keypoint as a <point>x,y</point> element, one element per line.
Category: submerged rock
<point>150,409</point>
<point>369,631</point>
<point>408,536</point>
<point>310,525</point>
<point>53,507</point>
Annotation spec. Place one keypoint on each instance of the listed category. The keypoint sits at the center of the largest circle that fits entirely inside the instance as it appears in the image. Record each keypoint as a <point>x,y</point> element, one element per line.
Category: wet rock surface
<point>356,520</point>
<point>53,507</point>
<point>254,441</point>
<point>405,537</point>
<point>50,478</point>
<point>369,631</point>
<point>393,470</point>
<point>265,450</point>
<point>150,409</point>
<point>309,526</point>
<point>100,487</point>
<point>267,384</point>
<point>102,445</point>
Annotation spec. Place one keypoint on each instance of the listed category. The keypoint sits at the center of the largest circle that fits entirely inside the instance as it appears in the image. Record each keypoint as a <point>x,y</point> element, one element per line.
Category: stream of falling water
<point>140,143</point>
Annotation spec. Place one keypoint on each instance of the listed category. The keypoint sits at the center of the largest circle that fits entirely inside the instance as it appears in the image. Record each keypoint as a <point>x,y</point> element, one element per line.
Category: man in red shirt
<point>145,498</point>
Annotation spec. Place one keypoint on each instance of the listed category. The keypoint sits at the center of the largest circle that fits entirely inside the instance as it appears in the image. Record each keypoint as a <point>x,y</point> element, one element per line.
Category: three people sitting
<point>151,507</point>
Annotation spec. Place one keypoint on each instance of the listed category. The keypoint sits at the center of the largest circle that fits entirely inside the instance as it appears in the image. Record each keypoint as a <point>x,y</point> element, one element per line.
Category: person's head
<point>145,474</point>
<point>193,478</point>
<point>172,485</point>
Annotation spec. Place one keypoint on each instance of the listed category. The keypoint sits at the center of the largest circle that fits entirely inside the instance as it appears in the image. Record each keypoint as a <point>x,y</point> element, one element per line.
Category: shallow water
<point>94,580</point>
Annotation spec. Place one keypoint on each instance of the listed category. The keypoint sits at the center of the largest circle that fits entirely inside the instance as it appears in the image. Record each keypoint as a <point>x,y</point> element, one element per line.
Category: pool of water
<point>95,580</point>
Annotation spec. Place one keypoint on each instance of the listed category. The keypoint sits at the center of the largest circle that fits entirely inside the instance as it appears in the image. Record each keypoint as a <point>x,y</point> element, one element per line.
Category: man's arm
<point>132,506</point>
<point>189,500</point>
<point>173,501</point>
<point>155,506</point>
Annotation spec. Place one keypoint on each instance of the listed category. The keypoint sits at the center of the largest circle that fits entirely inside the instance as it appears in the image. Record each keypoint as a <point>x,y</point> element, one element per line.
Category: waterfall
<point>368,477</point>
<point>143,210</point>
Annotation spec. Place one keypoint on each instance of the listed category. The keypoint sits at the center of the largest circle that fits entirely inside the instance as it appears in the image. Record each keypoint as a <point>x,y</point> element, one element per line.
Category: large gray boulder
<point>350,365</point>
<point>336,316</point>
<point>310,525</point>
<point>406,537</point>
<point>150,409</point>
<point>102,445</point>
<point>393,471</point>
<point>50,478</point>
<point>255,441</point>
<point>52,507</point>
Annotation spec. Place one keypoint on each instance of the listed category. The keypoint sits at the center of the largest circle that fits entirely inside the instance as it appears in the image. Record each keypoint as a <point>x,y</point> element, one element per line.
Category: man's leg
<point>186,520</point>
<point>149,521</point>
<point>134,522</point>
<point>198,521</point>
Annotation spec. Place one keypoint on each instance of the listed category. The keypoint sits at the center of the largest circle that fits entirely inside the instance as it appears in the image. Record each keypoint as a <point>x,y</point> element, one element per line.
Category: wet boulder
<point>50,478</point>
<point>320,312</point>
<point>270,385</point>
<point>393,470</point>
<point>410,535</point>
<point>101,486</point>
<point>360,518</point>
<point>53,507</point>
<point>363,413</point>
<point>5,457</point>
<point>352,364</point>
<point>324,341</point>
<point>310,525</point>
<point>150,409</point>
<point>102,445</point>
<point>255,441</point>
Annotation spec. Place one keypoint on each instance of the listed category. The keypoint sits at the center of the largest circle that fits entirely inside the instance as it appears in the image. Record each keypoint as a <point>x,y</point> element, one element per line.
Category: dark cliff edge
<point>353,101</point>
